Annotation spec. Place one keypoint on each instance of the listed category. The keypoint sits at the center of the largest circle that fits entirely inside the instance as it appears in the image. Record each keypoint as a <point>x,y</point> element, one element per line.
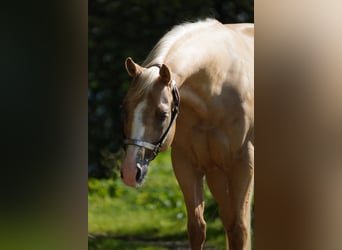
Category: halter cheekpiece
<point>155,147</point>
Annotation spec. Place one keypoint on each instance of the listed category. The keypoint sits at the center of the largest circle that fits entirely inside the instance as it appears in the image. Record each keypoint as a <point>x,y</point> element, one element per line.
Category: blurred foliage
<point>118,29</point>
<point>117,214</point>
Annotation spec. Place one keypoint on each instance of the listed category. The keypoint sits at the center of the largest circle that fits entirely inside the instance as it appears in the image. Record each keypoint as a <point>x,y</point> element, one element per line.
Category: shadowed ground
<point>131,242</point>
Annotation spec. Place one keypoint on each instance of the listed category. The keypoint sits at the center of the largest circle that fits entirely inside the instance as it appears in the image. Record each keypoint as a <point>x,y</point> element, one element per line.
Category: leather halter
<point>155,147</point>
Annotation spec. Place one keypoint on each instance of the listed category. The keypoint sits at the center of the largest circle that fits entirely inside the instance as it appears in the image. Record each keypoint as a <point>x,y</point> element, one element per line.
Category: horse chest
<point>207,146</point>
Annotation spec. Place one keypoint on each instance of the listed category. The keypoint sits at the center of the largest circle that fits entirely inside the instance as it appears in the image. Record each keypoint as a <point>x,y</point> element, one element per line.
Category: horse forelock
<point>142,85</point>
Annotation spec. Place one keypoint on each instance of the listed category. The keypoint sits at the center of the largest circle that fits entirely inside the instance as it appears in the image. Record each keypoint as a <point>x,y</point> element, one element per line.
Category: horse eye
<point>163,115</point>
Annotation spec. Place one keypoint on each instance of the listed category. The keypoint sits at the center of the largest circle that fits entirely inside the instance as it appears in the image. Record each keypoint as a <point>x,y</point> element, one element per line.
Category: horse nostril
<point>138,175</point>
<point>141,173</point>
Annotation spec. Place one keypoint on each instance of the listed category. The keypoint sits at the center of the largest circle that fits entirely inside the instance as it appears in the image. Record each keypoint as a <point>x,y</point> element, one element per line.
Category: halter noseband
<point>155,147</point>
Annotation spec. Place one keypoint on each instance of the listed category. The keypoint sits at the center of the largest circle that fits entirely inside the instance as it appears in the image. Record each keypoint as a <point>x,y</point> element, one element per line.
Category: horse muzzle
<point>134,177</point>
<point>134,170</point>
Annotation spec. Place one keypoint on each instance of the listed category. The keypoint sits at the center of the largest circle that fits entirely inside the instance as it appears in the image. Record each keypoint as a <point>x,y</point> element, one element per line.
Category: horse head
<point>150,109</point>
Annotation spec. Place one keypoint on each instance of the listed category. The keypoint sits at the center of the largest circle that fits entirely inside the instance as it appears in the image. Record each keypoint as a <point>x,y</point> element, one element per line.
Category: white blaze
<point>129,164</point>
<point>138,128</point>
<point>137,131</point>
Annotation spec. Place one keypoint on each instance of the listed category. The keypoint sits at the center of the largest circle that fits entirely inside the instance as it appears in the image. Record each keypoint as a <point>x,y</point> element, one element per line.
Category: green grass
<point>120,217</point>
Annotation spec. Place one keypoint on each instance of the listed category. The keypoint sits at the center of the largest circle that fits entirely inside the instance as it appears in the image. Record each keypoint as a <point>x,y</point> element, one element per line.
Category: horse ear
<point>165,74</point>
<point>132,68</point>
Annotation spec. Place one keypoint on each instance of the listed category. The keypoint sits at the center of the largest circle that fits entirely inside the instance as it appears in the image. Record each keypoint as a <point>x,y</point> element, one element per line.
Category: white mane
<point>160,50</point>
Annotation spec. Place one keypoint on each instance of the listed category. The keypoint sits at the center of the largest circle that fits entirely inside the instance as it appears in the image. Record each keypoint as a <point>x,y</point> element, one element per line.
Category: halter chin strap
<point>155,147</point>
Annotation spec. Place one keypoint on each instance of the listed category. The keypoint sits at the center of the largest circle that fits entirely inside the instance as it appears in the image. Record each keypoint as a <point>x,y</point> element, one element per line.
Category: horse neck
<point>186,53</point>
<point>193,78</point>
<point>192,61</point>
<point>184,69</point>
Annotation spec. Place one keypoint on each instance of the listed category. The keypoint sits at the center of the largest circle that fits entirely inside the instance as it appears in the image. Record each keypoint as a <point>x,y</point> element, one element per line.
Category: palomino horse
<point>206,71</point>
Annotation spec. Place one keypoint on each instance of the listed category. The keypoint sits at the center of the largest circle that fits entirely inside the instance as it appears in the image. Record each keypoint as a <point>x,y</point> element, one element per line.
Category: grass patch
<point>120,217</point>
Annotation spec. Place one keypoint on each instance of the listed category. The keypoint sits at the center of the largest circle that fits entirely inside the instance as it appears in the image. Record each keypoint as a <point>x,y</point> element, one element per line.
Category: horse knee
<point>197,225</point>
<point>238,236</point>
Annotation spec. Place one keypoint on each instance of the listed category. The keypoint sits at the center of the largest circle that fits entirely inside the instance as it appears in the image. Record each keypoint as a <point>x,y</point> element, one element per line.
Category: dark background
<point>118,29</point>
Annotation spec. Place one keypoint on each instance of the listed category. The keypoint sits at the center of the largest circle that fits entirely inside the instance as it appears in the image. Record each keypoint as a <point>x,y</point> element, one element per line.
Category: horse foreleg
<point>241,184</point>
<point>233,192</point>
<point>191,184</point>
<point>238,224</point>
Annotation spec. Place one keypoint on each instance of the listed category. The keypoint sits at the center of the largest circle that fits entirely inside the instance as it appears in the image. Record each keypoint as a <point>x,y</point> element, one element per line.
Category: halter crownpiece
<point>155,147</point>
